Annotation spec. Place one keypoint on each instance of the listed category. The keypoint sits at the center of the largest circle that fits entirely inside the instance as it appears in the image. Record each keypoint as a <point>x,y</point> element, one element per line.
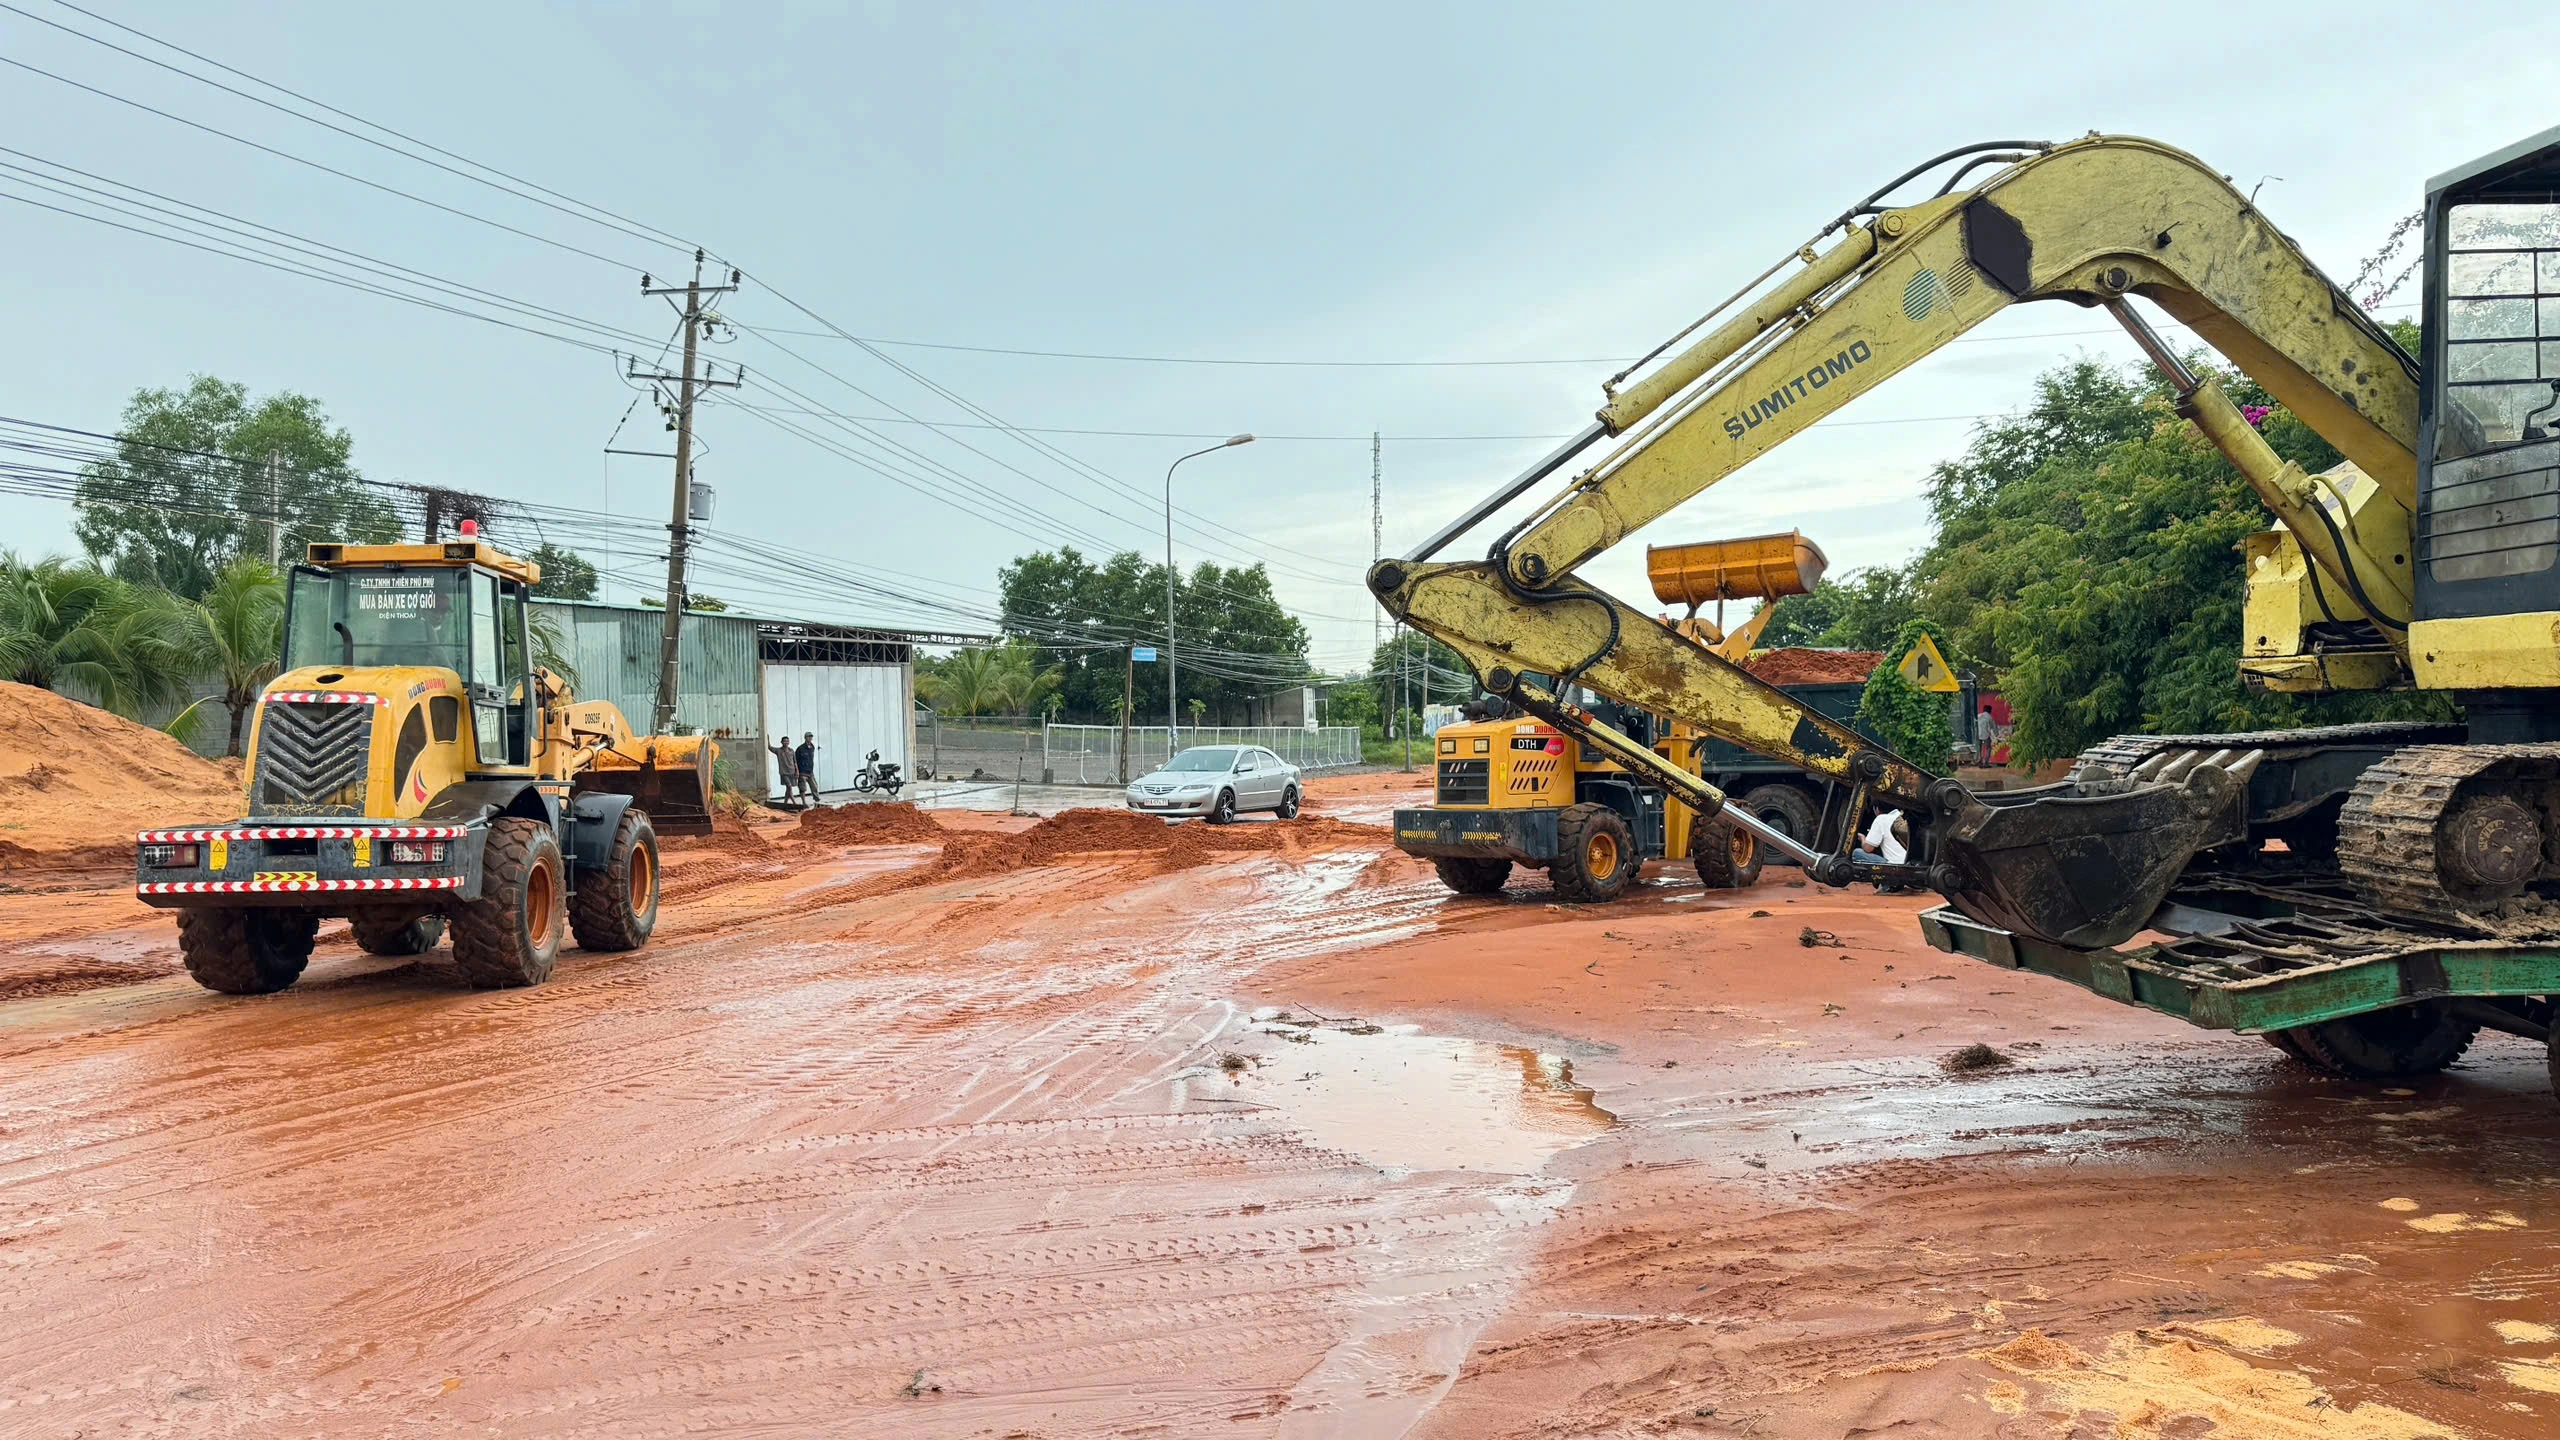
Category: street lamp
<point>1172,674</point>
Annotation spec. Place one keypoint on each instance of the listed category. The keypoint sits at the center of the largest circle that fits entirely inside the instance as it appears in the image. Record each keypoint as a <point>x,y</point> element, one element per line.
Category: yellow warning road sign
<point>1926,669</point>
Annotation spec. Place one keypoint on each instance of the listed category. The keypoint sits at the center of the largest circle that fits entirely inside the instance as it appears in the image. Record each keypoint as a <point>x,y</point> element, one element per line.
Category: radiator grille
<point>1466,782</point>
<point>312,759</point>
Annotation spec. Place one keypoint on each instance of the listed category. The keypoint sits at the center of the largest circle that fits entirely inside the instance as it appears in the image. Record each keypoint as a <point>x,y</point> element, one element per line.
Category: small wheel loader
<point>412,770</point>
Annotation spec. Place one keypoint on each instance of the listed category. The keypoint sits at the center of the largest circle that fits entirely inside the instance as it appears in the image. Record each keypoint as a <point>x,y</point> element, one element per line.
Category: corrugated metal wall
<point>615,649</point>
<point>854,709</point>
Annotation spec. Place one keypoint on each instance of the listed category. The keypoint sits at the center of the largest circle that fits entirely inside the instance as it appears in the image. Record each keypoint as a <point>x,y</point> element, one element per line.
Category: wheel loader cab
<point>430,645</point>
<point>2488,531</point>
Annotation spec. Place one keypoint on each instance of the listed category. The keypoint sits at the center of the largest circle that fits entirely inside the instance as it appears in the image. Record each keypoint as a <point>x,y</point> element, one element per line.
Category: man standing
<point>808,758</point>
<point>786,763</point>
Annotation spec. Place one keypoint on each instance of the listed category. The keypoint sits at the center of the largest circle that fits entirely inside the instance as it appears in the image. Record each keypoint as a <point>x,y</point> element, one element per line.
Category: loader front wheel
<point>511,935</point>
<point>617,906</point>
<point>1728,857</point>
<point>1472,877</point>
<point>2400,1043</point>
<point>397,934</point>
<point>1595,855</point>
<point>246,951</point>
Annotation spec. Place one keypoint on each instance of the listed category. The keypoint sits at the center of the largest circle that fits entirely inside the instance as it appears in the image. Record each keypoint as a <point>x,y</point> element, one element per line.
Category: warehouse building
<point>742,678</point>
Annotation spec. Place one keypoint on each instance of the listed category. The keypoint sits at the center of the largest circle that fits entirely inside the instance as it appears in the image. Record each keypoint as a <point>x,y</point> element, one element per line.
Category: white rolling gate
<point>1090,754</point>
<point>854,709</point>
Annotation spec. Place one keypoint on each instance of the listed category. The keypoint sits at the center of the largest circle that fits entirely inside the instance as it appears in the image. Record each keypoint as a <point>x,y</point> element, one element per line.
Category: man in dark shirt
<point>808,758</point>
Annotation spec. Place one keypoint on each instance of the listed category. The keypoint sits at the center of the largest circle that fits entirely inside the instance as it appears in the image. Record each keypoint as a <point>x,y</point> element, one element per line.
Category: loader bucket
<point>667,775</point>
<point>2084,863</point>
<point>1756,567</point>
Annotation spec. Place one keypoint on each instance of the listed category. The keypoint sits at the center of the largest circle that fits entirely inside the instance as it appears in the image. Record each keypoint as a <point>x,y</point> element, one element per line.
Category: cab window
<point>2502,327</point>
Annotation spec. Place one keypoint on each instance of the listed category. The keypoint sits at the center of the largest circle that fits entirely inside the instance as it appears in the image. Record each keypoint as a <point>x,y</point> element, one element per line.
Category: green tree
<point>191,485</point>
<point>566,574</point>
<point>1233,639</point>
<point>1862,612</point>
<point>1412,670</point>
<point>1913,723</point>
<point>987,680</point>
<point>238,635</point>
<point>66,623</point>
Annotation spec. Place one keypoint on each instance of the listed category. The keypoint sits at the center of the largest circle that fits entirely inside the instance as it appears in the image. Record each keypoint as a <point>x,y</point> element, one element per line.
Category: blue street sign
<point>1144,655</point>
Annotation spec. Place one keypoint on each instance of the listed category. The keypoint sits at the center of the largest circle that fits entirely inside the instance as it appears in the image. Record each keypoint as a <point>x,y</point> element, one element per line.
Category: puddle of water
<point>1403,1100</point>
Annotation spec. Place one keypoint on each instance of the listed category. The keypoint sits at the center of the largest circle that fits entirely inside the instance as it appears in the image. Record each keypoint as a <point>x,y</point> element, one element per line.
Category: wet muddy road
<point>1280,1143</point>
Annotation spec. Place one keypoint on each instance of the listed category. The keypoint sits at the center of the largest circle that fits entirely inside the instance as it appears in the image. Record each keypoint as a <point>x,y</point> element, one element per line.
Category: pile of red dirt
<point>885,822</point>
<point>1814,667</point>
<point>76,783</point>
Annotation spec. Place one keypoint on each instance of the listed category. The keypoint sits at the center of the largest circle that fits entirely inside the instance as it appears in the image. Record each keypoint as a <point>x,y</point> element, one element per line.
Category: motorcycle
<point>876,776</point>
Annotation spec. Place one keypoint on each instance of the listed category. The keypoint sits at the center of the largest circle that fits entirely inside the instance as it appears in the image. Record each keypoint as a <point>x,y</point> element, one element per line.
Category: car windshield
<point>1215,757</point>
<point>379,617</point>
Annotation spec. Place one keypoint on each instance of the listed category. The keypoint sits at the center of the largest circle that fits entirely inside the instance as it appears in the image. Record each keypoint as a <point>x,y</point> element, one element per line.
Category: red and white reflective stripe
<point>296,887</point>
<point>307,832</point>
<point>323,697</point>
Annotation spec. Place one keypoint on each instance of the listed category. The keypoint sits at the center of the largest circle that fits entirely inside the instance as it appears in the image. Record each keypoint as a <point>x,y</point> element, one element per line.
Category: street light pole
<point>1172,671</point>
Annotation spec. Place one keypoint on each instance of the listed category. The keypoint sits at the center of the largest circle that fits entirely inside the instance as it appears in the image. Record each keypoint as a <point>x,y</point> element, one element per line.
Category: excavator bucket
<point>667,775</point>
<point>2085,862</point>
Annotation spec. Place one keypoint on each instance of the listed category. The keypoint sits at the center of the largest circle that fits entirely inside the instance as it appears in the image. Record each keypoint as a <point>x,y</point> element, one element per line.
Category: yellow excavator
<point>412,769</point>
<point>2368,897</point>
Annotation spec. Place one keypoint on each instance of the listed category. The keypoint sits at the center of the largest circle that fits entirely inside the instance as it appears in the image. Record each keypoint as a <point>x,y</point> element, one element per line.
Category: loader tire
<point>616,907</point>
<point>246,951</point>
<point>1595,855</point>
<point>2400,1043</point>
<point>2283,1040</point>
<point>1728,857</point>
<point>1785,808</point>
<point>1472,877</point>
<point>511,935</point>
<point>397,934</point>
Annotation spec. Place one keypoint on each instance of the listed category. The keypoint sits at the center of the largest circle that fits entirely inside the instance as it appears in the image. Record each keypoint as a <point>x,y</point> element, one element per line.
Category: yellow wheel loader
<point>413,771</point>
<point>2368,897</point>
<point>1511,789</point>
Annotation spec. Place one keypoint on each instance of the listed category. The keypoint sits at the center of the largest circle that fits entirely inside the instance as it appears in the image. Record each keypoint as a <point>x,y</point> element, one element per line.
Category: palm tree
<point>71,624</point>
<point>988,680</point>
<point>240,634</point>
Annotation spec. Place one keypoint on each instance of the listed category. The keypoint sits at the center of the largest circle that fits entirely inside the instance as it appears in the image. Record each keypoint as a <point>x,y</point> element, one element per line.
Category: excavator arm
<point>2094,222</point>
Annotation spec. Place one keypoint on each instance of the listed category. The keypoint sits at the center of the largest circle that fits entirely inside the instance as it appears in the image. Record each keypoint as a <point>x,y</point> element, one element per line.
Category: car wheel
<point>1289,803</point>
<point>1224,812</point>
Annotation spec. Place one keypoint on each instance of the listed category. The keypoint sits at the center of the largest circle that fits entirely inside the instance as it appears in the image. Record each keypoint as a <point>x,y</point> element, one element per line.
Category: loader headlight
<point>417,852</point>
<point>161,856</point>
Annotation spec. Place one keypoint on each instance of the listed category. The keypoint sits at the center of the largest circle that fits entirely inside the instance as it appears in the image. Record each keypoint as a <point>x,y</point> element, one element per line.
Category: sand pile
<point>1176,847</point>
<point>888,822</point>
<point>1814,667</point>
<point>76,779</point>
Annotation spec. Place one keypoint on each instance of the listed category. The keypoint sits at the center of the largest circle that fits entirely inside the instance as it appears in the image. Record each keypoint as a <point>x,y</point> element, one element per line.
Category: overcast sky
<point>1309,182</point>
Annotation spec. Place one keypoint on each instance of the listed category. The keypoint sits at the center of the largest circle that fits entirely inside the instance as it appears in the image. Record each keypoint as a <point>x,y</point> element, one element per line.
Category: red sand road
<point>988,1137</point>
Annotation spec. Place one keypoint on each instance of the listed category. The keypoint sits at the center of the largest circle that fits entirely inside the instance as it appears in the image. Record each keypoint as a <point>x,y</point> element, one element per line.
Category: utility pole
<point>275,506</point>
<point>1128,701</point>
<point>1404,703</point>
<point>680,526</point>
<point>1377,540</point>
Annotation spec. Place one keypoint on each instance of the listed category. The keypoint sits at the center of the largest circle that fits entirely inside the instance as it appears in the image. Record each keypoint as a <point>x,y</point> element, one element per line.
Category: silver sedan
<point>1219,782</point>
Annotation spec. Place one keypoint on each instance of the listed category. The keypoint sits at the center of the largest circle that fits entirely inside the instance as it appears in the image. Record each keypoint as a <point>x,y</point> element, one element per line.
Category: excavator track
<point>2452,834</point>
<point>2123,752</point>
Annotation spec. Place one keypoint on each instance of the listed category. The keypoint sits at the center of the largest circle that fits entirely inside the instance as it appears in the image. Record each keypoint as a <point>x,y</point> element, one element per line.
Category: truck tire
<point>2400,1043</point>
<point>397,934</point>
<point>1728,857</point>
<point>1786,808</point>
<point>1595,855</point>
<point>511,934</point>
<point>246,951</point>
<point>1472,877</point>
<point>616,907</point>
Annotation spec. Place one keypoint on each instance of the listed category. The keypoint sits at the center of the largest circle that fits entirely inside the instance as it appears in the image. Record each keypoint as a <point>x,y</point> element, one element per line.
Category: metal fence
<point>963,747</point>
<point>1090,754</point>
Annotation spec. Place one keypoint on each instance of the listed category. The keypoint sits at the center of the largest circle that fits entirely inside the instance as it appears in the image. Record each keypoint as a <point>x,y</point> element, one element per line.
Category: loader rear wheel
<point>511,934</point>
<point>2395,1044</point>
<point>397,934</point>
<point>246,951</point>
<point>1728,857</point>
<point>1595,855</point>
<point>1472,877</point>
<point>617,906</point>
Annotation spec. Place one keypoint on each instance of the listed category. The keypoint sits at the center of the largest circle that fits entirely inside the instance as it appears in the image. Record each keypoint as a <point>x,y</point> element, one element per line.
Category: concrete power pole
<point>275,506</point>
<point>1128,701</point>
<point>1377,540</point>
<point>680,526</point>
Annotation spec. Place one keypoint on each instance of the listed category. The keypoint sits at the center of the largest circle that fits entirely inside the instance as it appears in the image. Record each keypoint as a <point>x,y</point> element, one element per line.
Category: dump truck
<point>412,770</point>
<point>2368,897</point>
<point>1511,790</point>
